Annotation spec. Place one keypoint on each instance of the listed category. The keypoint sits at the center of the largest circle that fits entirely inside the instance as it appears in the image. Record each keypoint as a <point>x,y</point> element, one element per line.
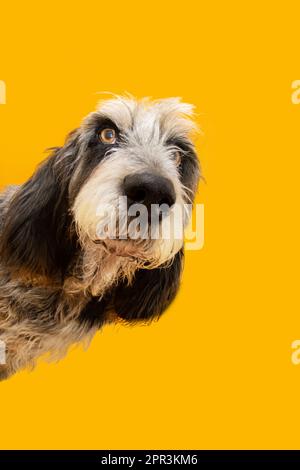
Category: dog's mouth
<point>123,242</point>
<point>122,249</point>
<point>112,250</point>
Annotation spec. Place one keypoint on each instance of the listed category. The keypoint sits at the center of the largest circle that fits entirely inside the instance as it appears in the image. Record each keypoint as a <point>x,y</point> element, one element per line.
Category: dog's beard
<point>152,238</point>
<point>147,253</point>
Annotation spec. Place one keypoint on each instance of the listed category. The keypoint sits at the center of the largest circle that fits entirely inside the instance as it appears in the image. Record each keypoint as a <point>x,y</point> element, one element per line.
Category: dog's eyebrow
<point>105,122</point>
<point>183,144</point>
<point>97,120</point>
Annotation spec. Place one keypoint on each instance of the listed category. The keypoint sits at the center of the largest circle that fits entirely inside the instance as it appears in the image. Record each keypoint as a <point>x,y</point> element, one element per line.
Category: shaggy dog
<point>59,280</point>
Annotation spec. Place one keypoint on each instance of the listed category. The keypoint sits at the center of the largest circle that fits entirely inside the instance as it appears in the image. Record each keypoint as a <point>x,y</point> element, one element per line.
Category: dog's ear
<point>34,238</point>
<point>150,293</point>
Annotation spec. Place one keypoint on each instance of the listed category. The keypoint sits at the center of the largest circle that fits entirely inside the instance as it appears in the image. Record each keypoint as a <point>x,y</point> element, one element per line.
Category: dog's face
<point>137,150</point>
<point>135,157</point>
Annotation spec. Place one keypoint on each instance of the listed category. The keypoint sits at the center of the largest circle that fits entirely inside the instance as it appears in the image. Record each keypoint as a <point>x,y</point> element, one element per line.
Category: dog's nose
<point>149,188</point>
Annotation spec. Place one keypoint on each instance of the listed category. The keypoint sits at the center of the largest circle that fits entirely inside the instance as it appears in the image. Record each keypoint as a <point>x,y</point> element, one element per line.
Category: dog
<point>59,280</point>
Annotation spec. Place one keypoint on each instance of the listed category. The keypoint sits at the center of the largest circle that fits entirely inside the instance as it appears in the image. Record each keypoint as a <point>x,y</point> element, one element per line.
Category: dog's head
<point>130,161</point>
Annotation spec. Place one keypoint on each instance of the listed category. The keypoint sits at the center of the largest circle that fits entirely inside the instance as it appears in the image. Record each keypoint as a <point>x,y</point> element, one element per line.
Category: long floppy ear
<point>151,292</point>
<point>34,237</point>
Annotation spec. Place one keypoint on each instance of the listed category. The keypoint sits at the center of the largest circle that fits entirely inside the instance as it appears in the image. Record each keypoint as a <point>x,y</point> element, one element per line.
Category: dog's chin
<point>145,253</point>
<point>130,249</point>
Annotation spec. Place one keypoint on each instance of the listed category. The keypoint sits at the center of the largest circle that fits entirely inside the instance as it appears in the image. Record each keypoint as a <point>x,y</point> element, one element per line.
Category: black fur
<point>36,232</point>
<point>151,292</point>
<point>189,168</point>
<point>93,313</point>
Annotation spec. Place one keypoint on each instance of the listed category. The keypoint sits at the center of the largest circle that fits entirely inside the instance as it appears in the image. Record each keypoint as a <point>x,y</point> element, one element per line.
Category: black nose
<point>149,188</point>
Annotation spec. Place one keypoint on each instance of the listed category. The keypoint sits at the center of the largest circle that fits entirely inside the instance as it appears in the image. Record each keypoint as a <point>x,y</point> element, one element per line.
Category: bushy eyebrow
<point>97,121</point>
<point>181,143</point>
<point>104,121</point>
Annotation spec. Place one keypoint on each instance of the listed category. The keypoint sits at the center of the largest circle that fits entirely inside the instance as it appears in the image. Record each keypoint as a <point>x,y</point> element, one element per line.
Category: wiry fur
<point>57,285</point>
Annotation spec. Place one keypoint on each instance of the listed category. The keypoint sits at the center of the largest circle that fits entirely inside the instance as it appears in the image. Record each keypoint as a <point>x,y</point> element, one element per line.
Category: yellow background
<point>216,371</point>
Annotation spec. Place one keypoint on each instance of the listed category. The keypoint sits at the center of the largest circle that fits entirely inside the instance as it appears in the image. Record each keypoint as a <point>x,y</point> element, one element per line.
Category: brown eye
<point>177,157</point>
<point>107,136</point>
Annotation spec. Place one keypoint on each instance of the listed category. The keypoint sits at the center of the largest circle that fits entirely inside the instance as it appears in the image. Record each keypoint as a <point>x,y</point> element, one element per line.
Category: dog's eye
<point>107,136</point>
<point>177,157</point>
